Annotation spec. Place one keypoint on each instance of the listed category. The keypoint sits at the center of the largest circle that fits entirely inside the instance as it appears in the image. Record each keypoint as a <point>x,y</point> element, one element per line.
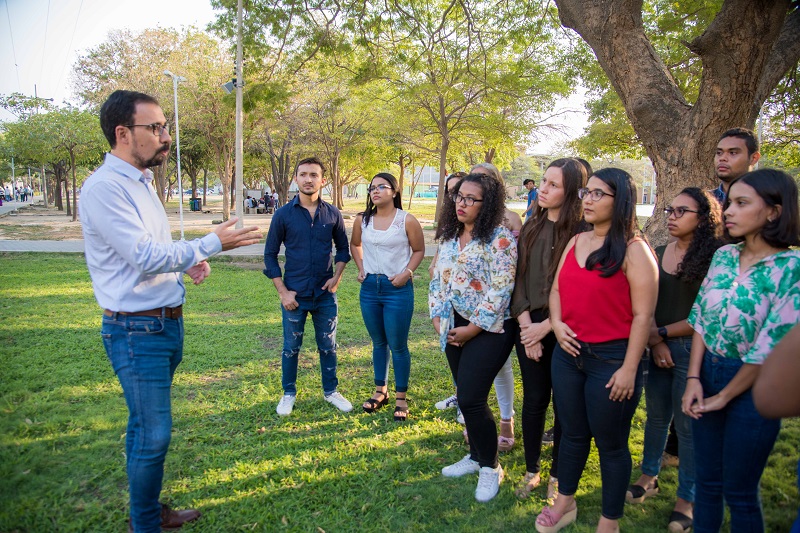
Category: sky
<point>40,40</point>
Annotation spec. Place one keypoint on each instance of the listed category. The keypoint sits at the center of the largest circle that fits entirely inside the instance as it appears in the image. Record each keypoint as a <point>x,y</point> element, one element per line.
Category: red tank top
<point>597,309</point>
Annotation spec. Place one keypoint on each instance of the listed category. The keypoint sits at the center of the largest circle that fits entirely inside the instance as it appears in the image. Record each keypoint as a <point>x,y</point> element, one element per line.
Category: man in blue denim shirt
<point>306,226</point>
<point>137,276</point>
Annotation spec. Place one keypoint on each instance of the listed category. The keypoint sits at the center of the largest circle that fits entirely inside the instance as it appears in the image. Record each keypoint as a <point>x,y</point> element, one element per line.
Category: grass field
<point>63,419</point>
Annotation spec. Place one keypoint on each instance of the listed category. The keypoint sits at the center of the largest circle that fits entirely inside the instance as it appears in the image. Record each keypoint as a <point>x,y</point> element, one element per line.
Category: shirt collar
<point>124,168</point>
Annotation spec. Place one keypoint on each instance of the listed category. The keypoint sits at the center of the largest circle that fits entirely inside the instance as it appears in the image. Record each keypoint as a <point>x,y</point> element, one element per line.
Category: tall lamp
<point>175,80</point>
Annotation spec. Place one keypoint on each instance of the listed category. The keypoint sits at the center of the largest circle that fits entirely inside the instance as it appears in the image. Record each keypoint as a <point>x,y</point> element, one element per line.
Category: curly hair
<point>447,201</point>
<point>397,201</point>
<point>490,215</point>
<point>707,236</point>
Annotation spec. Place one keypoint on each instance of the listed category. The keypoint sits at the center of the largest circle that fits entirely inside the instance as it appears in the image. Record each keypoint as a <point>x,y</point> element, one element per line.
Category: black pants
<point>474,367</point>
<point>537,383</point>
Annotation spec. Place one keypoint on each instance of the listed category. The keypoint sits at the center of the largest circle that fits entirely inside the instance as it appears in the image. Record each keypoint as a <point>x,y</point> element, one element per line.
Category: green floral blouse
<point>745,314</point>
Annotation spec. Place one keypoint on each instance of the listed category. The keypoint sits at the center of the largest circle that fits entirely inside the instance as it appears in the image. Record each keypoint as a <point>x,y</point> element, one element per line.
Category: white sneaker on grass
<point>489,480</point>
<point>462,468</point>
<point>286,405</point>
<point>447,403</point>
<point>460,416</point>
<point>339,401</point>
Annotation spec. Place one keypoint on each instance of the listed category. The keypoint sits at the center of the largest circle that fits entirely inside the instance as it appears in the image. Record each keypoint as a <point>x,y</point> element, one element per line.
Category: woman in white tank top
<point>387,245</point>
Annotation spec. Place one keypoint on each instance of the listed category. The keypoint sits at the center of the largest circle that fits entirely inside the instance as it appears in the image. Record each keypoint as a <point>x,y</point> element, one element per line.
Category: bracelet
<point>410,272</point>
<point>692,377</point>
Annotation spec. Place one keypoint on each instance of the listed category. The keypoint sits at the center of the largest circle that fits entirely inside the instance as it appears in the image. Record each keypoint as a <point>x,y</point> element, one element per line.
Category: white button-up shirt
<point>133,262</point>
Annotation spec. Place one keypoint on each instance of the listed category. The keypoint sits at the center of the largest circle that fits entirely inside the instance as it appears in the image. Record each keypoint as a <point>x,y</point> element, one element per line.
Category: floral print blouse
<point>476,282</point>
<point>745,314</point>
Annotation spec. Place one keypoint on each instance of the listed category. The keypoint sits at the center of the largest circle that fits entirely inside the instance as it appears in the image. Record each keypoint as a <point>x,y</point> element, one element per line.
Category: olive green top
<point>532,288</point>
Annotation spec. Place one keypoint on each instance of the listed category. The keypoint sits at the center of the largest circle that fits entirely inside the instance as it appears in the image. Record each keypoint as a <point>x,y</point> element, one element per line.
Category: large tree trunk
<point>442,173</point>
<point>205,185</point>
<point>745,51</point>
<point>66,194</point>
<point>74,188</point>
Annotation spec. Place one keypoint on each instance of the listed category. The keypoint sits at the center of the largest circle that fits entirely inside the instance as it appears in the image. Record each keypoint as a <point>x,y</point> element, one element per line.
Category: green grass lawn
<point>63,419</point>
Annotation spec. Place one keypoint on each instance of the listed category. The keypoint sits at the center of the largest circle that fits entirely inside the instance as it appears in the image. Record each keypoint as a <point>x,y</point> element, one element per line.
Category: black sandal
<point>374,404</point>
<point>401,413</point>
<point>679,522</point>
<point>638,494</point>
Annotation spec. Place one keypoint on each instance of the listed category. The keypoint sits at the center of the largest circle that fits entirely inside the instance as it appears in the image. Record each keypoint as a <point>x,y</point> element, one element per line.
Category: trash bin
<point>194,204</point>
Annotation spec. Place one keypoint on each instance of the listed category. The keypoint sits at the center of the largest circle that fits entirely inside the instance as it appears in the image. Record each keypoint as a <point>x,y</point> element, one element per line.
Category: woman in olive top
<point>555,220</point>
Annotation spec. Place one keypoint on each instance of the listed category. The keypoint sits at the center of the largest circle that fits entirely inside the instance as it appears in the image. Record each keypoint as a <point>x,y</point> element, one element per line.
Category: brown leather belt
<point>167,312</point>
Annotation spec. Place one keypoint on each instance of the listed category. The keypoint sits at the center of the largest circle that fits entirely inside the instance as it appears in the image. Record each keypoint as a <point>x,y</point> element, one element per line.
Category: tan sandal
<point>552,490</point>
<point>528,483</point>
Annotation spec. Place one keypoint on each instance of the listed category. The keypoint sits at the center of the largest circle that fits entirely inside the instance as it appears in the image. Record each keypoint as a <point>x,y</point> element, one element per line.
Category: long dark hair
<point>706,238</point>
<point>609,257</point>
<point>490,215</point>
<point>371,209</point>
<point>776,188</point>
<point>569,217</point>
<point>447,201</point>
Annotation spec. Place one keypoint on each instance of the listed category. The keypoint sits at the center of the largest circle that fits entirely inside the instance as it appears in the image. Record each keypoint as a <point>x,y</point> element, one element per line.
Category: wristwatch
<point>662,332</point>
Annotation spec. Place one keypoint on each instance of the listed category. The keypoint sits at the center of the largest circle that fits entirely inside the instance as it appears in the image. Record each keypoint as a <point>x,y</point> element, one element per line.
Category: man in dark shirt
<point>306,226</point>
<point>736,154</point>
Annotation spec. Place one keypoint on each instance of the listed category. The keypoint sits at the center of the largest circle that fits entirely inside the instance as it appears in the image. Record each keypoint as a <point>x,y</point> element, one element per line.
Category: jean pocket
<point>145,325</point>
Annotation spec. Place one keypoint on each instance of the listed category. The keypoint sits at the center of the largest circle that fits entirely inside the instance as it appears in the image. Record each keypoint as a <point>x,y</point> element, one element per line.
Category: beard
<point>156,160</point>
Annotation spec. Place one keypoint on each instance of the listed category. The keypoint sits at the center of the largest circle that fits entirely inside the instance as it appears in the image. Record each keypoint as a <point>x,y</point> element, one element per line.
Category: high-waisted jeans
<point>387,312</point>
<point>731,448</point>
<point>537,384</point>
<point>664,394</point>
<point>585,411</point>
<point>474,366</point>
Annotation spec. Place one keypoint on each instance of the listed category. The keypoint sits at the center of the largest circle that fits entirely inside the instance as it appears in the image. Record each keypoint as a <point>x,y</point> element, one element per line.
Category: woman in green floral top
<point>749,300</point>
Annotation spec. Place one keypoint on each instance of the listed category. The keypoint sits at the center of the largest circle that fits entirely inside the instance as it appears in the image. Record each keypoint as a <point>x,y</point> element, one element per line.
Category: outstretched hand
<point>235,238</point>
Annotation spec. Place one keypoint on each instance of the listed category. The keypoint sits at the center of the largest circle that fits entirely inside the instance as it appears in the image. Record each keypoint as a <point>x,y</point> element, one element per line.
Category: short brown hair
<point>313,160</point>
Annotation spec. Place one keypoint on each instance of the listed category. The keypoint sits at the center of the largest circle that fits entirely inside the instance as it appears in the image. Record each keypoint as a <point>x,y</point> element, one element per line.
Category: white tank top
<point>386,251</point>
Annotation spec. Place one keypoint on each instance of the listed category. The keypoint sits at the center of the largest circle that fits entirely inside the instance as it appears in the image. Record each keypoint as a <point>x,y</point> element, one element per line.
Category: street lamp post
<point>175,80</point>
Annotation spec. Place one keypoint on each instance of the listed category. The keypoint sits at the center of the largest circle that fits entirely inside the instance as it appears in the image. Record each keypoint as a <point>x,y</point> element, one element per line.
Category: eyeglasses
<point>595,194</point>
<point>379,188</point>
<point>467,200</point>
<point>677,211</point>
<point>157,129</point>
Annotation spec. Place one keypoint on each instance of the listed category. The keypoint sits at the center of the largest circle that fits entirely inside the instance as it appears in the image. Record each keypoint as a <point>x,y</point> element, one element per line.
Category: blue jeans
<point>324,313</point>
<point>664,393</point>
<point>585,411</point>
<point>731,448</point>
<point>387,312</point>
<point>144,352</point>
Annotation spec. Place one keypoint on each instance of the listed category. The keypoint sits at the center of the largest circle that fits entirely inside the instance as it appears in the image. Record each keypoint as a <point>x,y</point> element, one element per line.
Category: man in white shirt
<point>137,276</point>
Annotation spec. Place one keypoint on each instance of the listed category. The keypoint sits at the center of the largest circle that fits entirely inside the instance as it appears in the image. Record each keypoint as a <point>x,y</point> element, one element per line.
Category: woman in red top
<point>601,308</point>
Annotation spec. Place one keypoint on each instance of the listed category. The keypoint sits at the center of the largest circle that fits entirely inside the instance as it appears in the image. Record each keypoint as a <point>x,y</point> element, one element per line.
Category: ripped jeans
<point>324,313</point>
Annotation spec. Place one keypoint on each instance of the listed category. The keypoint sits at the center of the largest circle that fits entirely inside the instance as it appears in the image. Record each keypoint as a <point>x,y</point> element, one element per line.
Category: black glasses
<point>157,129</point>
<point>677,211</point>
<point>467,200</point>
<point>595,194</point>
<point>380,188</point>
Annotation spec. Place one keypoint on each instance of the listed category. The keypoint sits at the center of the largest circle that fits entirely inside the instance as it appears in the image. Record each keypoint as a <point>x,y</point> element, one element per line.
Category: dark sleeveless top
<point>675,297</point>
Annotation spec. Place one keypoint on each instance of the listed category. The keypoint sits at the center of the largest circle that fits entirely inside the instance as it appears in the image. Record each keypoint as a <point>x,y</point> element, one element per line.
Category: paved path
<point>254,250</point>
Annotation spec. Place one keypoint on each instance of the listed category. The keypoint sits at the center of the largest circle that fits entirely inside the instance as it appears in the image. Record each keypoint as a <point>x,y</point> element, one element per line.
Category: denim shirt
<point>308,246</point>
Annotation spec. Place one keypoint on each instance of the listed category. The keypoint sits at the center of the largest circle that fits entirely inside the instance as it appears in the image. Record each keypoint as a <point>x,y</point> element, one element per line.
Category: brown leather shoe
<point>172,519</point>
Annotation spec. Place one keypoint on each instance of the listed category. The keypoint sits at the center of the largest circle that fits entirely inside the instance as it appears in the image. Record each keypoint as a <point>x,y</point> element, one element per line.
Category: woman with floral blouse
<point>469,302</point>
<point>748,301</point>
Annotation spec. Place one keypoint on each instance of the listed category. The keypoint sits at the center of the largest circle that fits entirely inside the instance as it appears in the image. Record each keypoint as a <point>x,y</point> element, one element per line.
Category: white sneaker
<point>447,403</point>
<point>286,405</point>
<point>462,468</point>
<point>339,401</point>
<point>460,416</point>
<point>489,481</point>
